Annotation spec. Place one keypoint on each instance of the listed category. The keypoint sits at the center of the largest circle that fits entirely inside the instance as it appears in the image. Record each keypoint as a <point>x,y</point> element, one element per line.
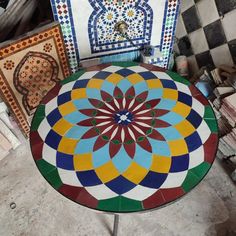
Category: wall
<point>206,32</point>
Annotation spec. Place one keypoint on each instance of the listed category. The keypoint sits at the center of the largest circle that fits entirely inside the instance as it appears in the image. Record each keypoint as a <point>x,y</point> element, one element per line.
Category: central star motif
<point>123,119</point>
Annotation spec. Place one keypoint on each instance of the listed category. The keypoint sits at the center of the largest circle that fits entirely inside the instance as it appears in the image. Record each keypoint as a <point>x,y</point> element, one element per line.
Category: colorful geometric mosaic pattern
<point>137,14</point>
<point>30,66</point>
<point>124,137</point>
<point>99,30</point>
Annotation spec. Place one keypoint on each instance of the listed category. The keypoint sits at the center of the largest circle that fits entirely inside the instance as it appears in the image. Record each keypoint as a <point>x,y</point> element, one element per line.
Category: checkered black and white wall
<point>4,4</point>
<point>206,32</point>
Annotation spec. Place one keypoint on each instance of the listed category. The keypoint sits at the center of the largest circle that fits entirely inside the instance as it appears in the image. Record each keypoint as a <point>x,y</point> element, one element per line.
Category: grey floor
<point>210,209</point>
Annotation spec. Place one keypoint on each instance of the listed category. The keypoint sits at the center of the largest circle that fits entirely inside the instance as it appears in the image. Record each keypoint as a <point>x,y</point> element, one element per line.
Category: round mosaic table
<point>124,137</point>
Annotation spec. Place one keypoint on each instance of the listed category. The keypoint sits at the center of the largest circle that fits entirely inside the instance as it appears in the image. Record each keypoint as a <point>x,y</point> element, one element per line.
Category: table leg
<point>116,223</point>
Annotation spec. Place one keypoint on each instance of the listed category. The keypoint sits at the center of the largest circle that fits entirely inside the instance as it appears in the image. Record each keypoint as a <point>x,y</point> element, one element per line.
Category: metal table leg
<point>116,223</point>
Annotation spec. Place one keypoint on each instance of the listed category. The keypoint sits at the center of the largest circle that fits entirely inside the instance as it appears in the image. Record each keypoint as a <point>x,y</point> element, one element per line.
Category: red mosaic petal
<point>151,113</point>
<point>136,133</point>
<point>152,103</point>
<point>129,96</point>
<point>130,149</point>
<point>86,199</point>
<point>156,135</point>
<point>147,105</point>
<point>144,113</point>
<point>118,93</point>
<point>87,122</point>
<point>93,121</point>
<point>160,112</point>
<point>94,113</point>
<point>145,144</point>
<point>88,112</point>
<point>106,96</point>
<point>99,143</point>
<point>160,124</point>
<point>130,93</point>
<point>142,96</point>
<point>140,126</point>
<point>210,148</point>
<point>109,132</point>
<point>90,133</point>
<point>129,143</point>
<point>96,103</point>
<point>153,201</point>
<point>114,149</point>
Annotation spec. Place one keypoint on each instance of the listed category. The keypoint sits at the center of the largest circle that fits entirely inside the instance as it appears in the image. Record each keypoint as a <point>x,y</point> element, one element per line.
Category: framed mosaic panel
<point>88,26</point>
<point>29,67</point>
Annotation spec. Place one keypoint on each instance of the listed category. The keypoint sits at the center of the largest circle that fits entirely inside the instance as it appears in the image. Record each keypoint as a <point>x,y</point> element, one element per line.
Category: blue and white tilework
<point>88,26</point>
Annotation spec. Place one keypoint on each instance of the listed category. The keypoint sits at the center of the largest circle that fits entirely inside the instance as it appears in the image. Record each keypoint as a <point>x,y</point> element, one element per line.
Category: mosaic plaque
<point>88,26</point>
<point>29,67</point>
<point>124,137</point>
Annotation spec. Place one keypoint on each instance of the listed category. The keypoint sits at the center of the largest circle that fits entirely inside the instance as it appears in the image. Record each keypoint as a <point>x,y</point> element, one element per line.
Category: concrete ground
<point>210,209</point>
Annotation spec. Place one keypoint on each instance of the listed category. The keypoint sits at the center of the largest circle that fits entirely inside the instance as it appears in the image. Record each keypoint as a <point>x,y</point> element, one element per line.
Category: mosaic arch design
<point>124,137</point>
<point>35,75</point>
<point>44,44</point>
<point>138,15</point>
<point>76,16</point>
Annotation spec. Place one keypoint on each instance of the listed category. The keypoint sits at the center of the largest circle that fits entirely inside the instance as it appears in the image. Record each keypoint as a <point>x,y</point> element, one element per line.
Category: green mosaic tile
<point>40,111</point>
<point>54,179</point>
<point>201,170</point>
<point>178,78</point>
<point>127,205</point>
<point>212,125</point>
<point>38,117</point>
<point>209,113</point>
<point>111,204</point>
<point>120,204</point>
<point>190,181</point>
<point>45,167</point>
<point>73,77</point>
<point>50,173</point>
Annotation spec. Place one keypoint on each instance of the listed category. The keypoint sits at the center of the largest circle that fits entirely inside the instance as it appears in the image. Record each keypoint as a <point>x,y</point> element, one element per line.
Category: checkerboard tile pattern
<point>206,32</point>
<point>4,4</point>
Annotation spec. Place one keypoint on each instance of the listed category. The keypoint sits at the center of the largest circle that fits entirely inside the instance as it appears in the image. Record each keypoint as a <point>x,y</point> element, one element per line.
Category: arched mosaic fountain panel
<point>88,26</point>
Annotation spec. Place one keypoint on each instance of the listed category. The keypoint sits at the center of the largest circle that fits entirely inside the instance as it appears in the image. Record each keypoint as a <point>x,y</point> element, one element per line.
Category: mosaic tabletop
<point>124,137</point>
